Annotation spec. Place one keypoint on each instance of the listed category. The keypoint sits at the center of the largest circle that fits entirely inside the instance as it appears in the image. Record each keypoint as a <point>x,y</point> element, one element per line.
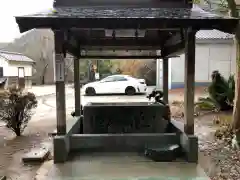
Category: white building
<point>15,68</point>
<point>215,50</point>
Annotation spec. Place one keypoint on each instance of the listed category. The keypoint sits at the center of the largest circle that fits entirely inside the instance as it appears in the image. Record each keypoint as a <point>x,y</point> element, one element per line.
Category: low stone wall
<point>61,144</point>
<point>73,141</point>
<point>120,142</point>
<point>189,143</point>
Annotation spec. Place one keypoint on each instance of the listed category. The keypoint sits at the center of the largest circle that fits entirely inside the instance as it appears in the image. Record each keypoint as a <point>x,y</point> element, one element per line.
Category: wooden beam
<point>119,57</point>
<point>189,81</point>
<point>165,80</point>
<point>171,51</point>
<point>174,39</point>
<point>126,47</point>
<point>72,49</point>
<point>77,86</point>
<point>130,42</point>
<point>60,82</point>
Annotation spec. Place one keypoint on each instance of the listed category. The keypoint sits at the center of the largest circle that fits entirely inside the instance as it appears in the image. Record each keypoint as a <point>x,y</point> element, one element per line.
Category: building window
<point>1,72</point>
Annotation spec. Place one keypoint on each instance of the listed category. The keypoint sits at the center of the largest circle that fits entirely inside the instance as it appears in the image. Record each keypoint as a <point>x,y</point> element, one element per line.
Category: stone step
<point>37,155</point>
<point>54,133</point>
<point>165,153</point>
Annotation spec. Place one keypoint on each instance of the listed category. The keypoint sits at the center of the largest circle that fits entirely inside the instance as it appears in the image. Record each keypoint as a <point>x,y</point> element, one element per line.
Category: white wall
<point>4,64</point>
<point>12,68</point>
<point>209,57</point>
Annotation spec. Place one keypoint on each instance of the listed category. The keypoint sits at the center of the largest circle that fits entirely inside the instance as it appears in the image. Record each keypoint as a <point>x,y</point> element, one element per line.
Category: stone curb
<point>38,155</point>
<point>43,171</point>
<point>41,96</point>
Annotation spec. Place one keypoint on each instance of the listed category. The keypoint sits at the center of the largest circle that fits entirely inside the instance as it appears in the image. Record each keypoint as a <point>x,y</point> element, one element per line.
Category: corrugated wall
<point>209,57</point>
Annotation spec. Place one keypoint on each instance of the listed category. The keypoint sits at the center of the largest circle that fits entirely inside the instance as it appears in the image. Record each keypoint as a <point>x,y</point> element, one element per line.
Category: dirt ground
<point>219,157</point>
<point>12,149</point>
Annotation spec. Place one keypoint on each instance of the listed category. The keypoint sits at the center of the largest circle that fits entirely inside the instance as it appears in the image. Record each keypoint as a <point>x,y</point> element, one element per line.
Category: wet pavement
<point>116,166</point>
<point>47,104</point>
<point>44,122</point>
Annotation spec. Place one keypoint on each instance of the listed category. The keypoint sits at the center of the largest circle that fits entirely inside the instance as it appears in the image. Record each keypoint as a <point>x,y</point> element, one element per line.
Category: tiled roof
<point>213,34</point>
<point>128,12</point>
<point>13,56</point>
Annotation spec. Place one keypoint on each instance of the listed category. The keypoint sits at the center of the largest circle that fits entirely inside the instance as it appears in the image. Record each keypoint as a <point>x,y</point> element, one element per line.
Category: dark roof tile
<point>125,12</point>
<point>213,34</point>
<point>13,56</point>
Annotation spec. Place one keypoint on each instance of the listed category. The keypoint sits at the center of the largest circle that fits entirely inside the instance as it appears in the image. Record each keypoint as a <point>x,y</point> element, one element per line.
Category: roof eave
<point>28,62</point>
<point>21,21</point>
<point>27,23</point>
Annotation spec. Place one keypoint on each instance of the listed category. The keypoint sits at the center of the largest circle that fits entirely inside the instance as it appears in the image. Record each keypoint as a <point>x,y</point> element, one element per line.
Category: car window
<point>108,79</point>
<point>120,78</point>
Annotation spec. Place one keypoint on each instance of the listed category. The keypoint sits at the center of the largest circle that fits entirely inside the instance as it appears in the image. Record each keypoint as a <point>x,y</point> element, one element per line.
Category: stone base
<point>131,142</point>
<point>36,155</point>
<point>61,148</point>
<point>61,144</point>
<point>189,144</point>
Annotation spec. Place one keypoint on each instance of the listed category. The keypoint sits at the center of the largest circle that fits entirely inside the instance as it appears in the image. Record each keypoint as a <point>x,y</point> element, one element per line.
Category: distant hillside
<point>38,45</point>
<point>2,45</point>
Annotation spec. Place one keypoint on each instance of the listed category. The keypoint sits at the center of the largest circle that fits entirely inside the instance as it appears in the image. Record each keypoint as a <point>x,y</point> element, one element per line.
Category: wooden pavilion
<point>82,27</point>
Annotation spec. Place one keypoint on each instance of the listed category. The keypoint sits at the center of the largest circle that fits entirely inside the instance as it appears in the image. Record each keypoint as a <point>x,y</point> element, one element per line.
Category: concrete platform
<point>116,166</point>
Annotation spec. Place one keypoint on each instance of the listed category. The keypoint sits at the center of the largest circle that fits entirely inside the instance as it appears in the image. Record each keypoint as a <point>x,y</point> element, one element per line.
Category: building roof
<point>124,17</point>
<point>14,56</point>
<point>213,34</point>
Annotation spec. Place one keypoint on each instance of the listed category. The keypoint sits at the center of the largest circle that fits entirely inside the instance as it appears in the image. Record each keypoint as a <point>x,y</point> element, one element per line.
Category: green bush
<point>221,93</point>
<point>16,108</point>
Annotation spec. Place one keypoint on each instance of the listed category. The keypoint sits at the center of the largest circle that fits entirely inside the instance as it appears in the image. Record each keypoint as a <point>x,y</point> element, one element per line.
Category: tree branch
<point>233,8</point>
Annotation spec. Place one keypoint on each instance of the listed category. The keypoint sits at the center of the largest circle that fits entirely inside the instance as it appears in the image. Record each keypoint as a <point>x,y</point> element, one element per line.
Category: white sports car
<point>115,84</point>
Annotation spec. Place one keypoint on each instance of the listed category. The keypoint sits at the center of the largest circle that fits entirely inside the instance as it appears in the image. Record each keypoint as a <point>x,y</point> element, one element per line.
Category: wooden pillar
<point>77,86</point>
<point>189,81</point>
<point>165,80</point>
<point>60,82</point>
<point>158,71</point>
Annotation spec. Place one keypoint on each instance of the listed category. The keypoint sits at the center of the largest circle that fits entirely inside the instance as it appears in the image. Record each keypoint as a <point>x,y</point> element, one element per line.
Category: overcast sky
<point>10,8</point>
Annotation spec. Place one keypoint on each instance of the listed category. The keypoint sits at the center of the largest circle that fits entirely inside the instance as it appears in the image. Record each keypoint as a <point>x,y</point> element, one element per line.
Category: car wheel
<point>90,91</point>
<point>130,91</point>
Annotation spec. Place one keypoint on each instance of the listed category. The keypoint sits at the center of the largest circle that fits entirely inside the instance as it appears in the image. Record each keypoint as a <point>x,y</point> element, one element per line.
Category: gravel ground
<point>219,160</point>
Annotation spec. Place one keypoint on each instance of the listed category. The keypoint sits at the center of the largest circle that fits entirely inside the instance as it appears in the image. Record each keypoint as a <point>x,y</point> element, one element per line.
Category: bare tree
<point>43,59</point>
<point>39,45</point>
<point>69,66</point>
